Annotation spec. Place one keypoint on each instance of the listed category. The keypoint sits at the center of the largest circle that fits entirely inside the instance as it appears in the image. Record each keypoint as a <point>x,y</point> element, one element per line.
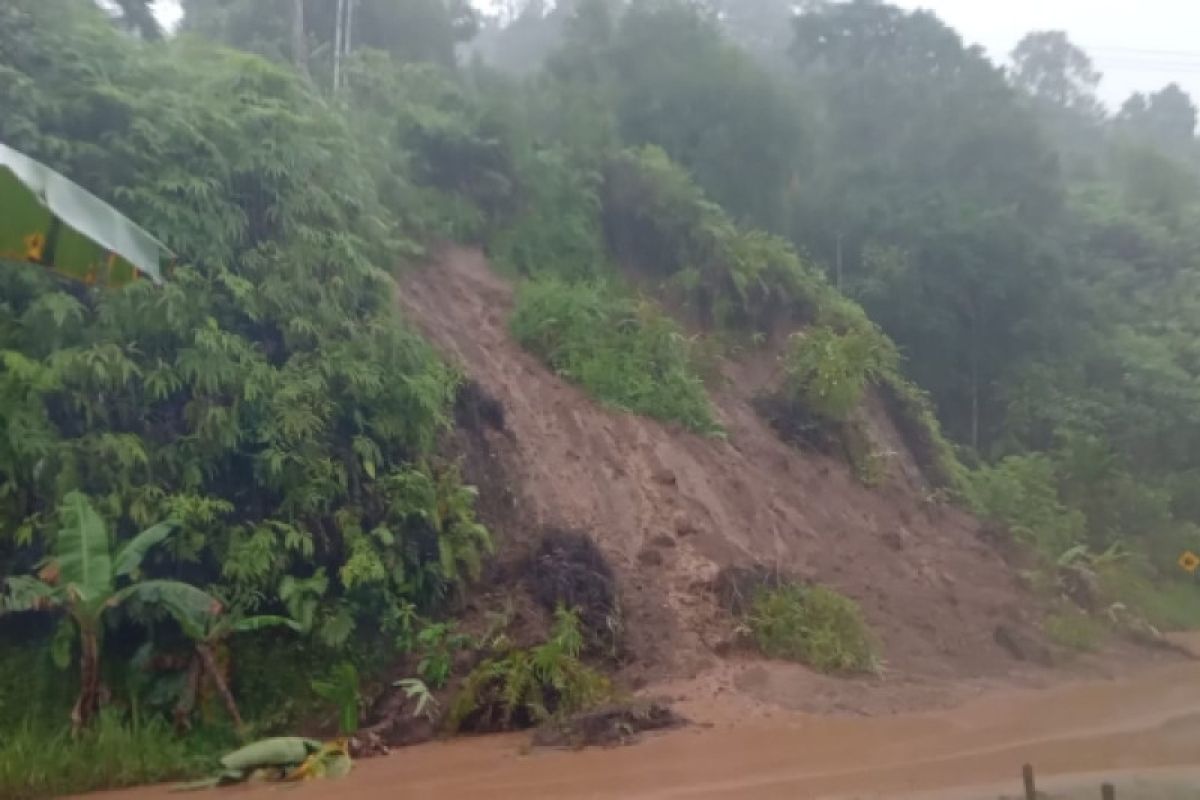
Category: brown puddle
<point>1146,721</point>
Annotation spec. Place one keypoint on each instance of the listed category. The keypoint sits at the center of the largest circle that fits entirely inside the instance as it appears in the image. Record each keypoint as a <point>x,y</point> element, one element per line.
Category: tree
<point>410,30</point>
<point>85,579</point>
<point>1166,118</point>
<point>933,188</point>
<point>209,632</point>
<point>299,38</point>
<point>1051,70</point>
<point>138,16</point>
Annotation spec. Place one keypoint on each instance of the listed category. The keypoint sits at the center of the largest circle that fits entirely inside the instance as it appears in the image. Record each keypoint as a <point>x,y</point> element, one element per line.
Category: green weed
<point>625,352</point>
<point>814,625</point>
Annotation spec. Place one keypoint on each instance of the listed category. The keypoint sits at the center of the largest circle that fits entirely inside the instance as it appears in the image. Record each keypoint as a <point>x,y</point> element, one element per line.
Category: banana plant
<point>84,579</point>
<point>209,633</point>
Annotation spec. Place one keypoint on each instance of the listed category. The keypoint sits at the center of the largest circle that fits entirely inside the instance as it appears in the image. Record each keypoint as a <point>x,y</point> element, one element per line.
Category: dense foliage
<point>267,400</point>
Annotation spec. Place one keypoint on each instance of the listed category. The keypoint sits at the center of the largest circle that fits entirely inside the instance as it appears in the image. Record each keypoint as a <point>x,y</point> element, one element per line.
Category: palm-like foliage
<point>85,579</point>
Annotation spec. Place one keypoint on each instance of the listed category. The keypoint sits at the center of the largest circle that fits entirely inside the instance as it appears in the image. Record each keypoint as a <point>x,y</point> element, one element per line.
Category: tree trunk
<point>88,702</point>
<point>337,46</point>
<point>187,698</point>
<point>974,383</point>
<point>214,672</point>
<point>299,38</point>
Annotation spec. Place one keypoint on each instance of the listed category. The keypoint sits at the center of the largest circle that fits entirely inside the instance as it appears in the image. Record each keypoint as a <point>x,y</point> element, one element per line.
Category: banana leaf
<point>279,751</point>
<point>48,220</point>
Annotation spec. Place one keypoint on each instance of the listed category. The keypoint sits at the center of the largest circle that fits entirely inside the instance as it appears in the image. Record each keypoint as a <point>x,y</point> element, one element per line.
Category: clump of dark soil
<point>567,569</point>
<point>797,426</point>
<point>737,586</point>
<point>606,726</point>
<point>476,410</point>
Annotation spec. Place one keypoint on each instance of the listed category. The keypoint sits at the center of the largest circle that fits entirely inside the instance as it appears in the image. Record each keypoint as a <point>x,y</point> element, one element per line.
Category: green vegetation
<point>624,351</point>
<point>80,579</point>
<point>43,762</point>
<point>340,688</point>
<point>828,372</point>
<point>814,625</point>
<point>854,177</point>
<point>1075,630</point>
<point>523,687</point>
<point>267,400</point>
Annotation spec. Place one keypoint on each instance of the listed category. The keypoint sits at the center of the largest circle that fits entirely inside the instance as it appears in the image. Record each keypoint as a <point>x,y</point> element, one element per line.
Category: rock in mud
<point>1022,646</point>
<point>607,726</point>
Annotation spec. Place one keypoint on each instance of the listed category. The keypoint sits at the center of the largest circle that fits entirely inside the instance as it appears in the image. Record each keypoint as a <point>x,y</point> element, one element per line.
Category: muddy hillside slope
<point>669,508</point>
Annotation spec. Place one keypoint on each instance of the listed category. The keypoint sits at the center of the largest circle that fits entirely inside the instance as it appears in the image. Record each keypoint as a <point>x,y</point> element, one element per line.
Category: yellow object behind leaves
<point>331,761</point>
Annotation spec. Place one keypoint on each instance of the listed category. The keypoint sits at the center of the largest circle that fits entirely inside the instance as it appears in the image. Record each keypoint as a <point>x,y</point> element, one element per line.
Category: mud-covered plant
<point>415,689</point>
<point>525,686</point>
<point>813,625</point>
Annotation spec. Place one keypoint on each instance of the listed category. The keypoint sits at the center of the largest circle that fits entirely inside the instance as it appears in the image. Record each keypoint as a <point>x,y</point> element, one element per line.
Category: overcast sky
<point>1139,45</point>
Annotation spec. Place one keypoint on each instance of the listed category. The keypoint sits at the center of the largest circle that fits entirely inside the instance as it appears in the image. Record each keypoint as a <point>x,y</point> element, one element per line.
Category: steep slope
<point>670,508</point>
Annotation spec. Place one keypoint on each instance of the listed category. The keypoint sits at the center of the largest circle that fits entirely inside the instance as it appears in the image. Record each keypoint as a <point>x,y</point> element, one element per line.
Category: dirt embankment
<point>670,508</point>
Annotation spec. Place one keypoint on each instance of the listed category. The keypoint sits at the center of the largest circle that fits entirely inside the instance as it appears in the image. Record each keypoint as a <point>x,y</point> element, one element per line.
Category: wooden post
<point>1030,788</point>
<point>1108,792</point>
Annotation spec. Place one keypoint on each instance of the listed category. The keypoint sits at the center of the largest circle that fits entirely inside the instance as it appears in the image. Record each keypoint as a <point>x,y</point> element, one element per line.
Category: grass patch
<point>814,625</point>
<point>1075,631</point>
<point>39,761</point>
<point>1168,605</point>
<point>624,352</point>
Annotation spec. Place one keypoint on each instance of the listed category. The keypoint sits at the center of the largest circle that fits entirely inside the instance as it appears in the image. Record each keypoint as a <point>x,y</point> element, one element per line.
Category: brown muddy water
<point>1116,729</point>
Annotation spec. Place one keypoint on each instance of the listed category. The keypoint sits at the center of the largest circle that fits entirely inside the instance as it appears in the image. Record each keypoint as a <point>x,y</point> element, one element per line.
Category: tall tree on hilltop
<point>935,187</point>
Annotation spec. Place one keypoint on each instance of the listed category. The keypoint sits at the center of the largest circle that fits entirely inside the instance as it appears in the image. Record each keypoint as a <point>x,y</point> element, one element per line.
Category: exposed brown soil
<point>670,508</point>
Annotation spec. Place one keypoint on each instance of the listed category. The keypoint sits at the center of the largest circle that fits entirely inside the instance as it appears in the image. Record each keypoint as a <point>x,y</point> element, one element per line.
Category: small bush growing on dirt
<point>827,372</point>
<point>912,413</point>
<point>1166,604</point>
<point>1075,630</point>
<point>523,687</point>
<point>624,352</point>
<point>1020,492</point>
<point>813,625</point>
<point>567,570</point>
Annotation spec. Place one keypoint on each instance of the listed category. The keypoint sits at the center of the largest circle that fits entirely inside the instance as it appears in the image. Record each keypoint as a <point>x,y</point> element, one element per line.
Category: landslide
<point>669,509</point>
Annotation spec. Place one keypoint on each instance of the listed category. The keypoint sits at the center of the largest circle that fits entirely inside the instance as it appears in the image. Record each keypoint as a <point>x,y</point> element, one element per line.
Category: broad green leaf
<point>85,567</point>
<point>52,221</point>
<point>27,593</point>
<point>249,624</point>
<point>192,608</point>
<point>129,557</point>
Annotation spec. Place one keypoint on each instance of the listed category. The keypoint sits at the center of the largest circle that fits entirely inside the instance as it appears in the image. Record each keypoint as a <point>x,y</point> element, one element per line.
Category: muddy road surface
<point>1114,728</point>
